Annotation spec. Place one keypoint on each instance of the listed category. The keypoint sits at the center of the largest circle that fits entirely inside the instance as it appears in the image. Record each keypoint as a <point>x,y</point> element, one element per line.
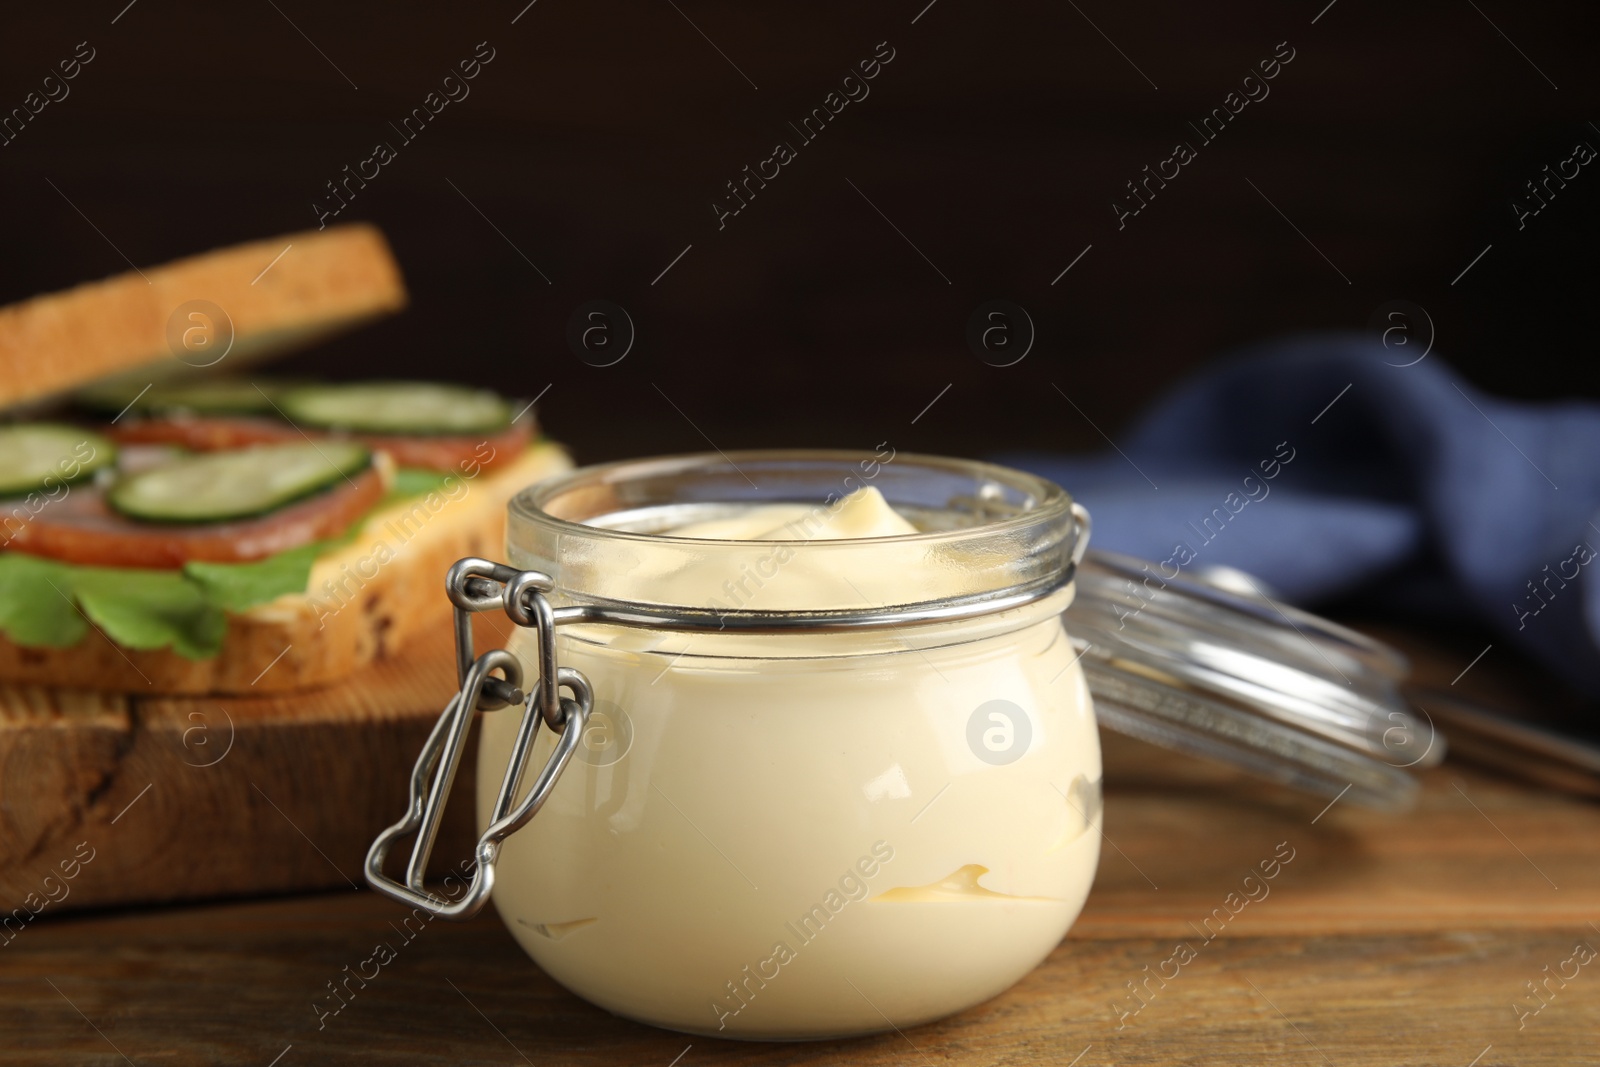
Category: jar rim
<point>1053,500</point>
<point>984,532</point>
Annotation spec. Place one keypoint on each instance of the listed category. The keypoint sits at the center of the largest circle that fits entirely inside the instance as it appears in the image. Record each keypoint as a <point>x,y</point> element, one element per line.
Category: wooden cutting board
<point>199,797</point>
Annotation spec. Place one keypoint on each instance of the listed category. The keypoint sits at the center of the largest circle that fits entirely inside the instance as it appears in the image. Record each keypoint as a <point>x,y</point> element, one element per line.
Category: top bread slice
<point>365,599</point>
<point>274,295</point>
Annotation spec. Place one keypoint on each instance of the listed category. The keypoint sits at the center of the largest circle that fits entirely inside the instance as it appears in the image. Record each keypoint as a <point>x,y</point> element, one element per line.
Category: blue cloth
<point>1402,486</point>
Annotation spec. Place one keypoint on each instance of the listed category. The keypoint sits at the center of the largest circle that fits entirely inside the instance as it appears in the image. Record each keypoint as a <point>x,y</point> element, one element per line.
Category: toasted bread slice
<point>274,295</point>
<point>365,600</point>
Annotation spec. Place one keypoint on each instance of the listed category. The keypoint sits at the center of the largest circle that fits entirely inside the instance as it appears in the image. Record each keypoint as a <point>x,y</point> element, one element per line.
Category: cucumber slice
<point>217,486</point>
<point>226,396</point>
<point>398,408</point>
<point>221,396</point>
<point>41,456</point>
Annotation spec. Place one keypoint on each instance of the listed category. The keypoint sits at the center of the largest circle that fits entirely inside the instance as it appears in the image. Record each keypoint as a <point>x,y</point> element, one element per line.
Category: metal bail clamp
<point>476,585</point>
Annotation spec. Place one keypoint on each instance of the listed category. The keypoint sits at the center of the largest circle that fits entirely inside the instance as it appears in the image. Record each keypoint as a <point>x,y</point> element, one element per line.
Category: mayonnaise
<point>776,836</point>
<point>863,513</point>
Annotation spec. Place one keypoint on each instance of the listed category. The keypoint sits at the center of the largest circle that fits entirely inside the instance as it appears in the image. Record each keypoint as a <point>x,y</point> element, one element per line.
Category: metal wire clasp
<point>477,585</point>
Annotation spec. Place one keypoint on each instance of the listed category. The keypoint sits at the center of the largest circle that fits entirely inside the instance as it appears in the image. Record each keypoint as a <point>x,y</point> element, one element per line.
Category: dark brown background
<point>996,141</point>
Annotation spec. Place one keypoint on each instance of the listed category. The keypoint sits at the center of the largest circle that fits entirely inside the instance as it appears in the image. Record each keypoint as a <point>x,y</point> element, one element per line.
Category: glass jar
<point>815,787</point>
<point>822,787</point>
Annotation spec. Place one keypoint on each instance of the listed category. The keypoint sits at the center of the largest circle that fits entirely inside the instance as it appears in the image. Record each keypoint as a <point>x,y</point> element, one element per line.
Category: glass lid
<point>1210,664</point>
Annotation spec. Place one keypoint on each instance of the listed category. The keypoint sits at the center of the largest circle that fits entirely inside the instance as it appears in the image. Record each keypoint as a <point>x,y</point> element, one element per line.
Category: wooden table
<point>1387,940</point>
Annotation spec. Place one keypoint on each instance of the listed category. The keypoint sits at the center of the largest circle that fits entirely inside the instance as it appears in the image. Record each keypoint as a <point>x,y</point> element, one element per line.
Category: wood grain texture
<point>1386,940</point>
<point>1379,944</point>
<point>187,798</point>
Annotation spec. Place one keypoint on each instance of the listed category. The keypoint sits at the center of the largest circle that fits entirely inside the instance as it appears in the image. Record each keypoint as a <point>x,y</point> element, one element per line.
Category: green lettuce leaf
<point>37,608</point>
<point>414,481</point>
<point>238,587</point>
<point>45,603</point>
<point>49,604</point>
<point>151,609</point>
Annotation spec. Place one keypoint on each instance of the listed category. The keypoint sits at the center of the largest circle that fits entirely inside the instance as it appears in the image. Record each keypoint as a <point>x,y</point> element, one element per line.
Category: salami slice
<point>82,528</point>
<point>204,433</point>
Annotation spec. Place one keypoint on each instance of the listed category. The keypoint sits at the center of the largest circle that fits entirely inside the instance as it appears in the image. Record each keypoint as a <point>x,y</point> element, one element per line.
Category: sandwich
<point>184,526</point>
